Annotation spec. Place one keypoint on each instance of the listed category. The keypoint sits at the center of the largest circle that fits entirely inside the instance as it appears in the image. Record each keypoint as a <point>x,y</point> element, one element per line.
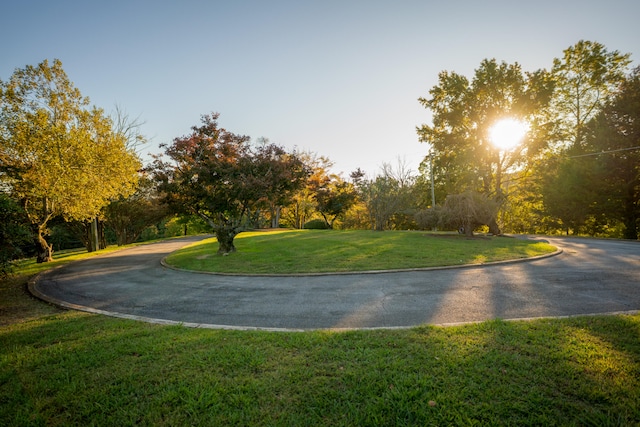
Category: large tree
<point>224,179</point>
<point>60,157</point>
<point>615,138</point>
<point>463,113</point>
<point>585,78</point>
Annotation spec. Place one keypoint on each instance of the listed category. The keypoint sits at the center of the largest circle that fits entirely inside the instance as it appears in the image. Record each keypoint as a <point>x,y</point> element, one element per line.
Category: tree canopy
<point>464,111</point>
<point>554,177</point>
<point>223,178</point>
<point>60,157</point>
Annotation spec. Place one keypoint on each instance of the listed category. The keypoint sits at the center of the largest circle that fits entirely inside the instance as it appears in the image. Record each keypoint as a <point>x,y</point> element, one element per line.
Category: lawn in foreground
<point>314,251</point>
<point>81,369</point>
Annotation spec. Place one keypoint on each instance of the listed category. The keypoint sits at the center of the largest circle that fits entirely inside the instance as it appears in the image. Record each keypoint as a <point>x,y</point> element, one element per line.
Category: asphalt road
<point>590,276</point>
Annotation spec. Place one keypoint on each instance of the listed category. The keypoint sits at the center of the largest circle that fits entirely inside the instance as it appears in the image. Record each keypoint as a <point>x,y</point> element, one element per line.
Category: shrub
<point>316,224</point>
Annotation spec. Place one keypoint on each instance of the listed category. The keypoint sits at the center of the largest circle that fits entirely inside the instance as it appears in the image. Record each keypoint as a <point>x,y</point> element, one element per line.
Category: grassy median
<point>315,251</point>
<point>61,368</point>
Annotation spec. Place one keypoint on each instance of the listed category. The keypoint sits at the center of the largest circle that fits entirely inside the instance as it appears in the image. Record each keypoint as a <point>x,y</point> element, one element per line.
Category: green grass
<point>60,368</point>
<point>81,369</point>
<point>313,251</point>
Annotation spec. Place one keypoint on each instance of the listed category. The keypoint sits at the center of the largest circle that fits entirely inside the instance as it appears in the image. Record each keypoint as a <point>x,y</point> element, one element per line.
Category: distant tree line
<point>577,169</point>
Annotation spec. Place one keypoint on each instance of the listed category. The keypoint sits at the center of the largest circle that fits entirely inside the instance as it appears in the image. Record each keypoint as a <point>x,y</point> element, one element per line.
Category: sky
<point>340,79</point>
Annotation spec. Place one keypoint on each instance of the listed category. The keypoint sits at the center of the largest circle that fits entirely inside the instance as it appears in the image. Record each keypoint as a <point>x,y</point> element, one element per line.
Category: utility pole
<point>433,187</point>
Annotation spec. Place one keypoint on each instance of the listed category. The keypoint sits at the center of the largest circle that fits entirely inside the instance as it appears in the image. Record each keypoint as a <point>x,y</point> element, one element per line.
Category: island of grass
<point>328,251</point>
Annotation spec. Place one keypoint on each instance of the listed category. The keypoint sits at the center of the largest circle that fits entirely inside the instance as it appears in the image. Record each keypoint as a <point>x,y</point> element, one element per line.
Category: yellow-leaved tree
<point>60,157</point>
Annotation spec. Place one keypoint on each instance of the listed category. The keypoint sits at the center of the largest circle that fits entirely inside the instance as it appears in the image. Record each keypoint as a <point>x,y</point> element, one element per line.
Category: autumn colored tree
<point>60,157</point>
<point>302,204</point>
<point>333,196</point>
<point>224,179</point>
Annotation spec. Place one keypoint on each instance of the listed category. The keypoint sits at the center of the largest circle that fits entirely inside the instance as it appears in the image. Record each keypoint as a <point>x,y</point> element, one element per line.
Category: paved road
<point>590,276</point>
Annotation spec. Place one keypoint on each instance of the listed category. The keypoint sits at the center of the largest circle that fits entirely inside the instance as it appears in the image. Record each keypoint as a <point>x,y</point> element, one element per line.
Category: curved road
<point>590,277</point>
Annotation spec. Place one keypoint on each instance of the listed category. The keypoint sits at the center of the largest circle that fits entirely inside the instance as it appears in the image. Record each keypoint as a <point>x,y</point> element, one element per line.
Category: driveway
<point>590,276</point>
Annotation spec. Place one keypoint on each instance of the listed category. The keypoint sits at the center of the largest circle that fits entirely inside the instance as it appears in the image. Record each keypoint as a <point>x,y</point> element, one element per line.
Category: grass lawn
<point>61,368</point>
<point>315,251</point>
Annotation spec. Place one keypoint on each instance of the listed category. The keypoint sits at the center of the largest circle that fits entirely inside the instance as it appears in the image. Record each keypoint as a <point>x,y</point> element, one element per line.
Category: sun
<point>506,133</point>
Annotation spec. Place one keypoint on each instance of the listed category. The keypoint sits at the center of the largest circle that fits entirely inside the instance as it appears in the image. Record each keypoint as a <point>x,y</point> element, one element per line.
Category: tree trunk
<point>494,228</point>
<point>225,238</point>
<point>275,216</point>
<point>468,229</point>
<point>93,234</point>
<point>44,251</point>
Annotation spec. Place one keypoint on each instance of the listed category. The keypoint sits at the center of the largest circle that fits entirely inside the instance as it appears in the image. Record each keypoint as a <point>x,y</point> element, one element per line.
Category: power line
<point>605,152</point>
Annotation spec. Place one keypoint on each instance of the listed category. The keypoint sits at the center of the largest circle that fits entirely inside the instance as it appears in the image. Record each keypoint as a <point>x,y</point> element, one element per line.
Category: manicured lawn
<point>60,368</point>
<point>313,251</point>
<point>80,369</point>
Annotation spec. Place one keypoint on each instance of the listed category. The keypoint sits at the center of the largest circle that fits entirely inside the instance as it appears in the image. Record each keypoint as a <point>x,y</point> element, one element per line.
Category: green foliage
<point>463,112</point>
<point>59,157</point>
<point>389,197</point>
<point>316,224</point>
<point>14,233</point>
<point>333,197</point>
<point>616,132</point>
<point>597,185</point>
<point>466,212</point>
<point>586,104</point>
<point>128,217</point>
<point>585,79</point>
<point>222,178</point>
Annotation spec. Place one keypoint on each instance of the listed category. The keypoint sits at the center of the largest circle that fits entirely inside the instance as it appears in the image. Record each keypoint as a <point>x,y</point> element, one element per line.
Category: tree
<point>282,172</point>
<point>585,78</point>
<point>569,191</point>
<point>463,113</point>
<point>387,195</point>
<point>615,133</point>
<point>333,196</point>
<point>129,216</point>
<point>468,210</point>
<point>14,232</point>
<point>62,158</point>
<point>222,178</point>
<point>303,204</point>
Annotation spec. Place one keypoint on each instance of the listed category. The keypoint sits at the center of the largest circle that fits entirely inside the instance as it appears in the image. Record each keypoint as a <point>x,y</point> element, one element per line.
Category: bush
<point>14,233</point>
<point>316,224</point>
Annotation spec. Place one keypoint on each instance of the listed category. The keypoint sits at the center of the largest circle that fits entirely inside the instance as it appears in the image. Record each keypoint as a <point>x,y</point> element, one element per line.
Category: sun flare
<point>507,133</point>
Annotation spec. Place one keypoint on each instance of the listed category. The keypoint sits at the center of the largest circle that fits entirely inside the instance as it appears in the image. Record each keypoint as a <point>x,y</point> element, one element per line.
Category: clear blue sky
<point>338,78</point>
